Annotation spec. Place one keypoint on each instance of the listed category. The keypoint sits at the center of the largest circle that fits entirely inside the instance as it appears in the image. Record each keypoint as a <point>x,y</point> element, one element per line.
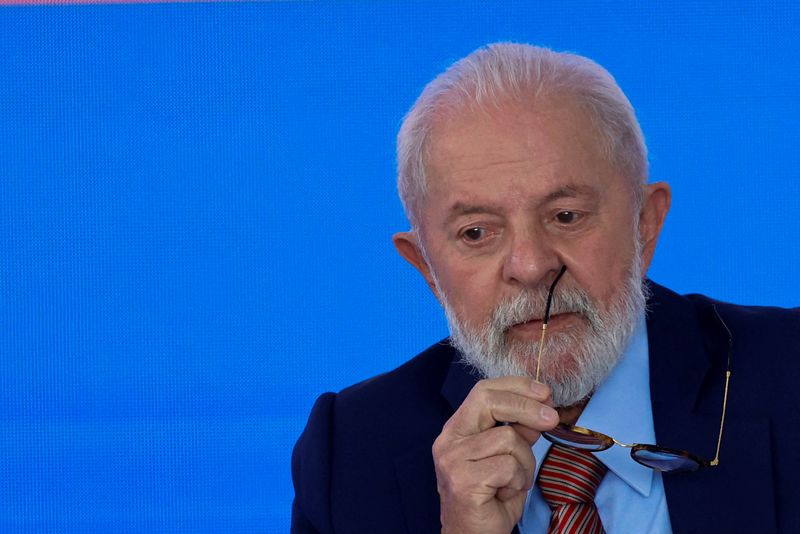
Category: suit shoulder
<point>763,338</point>
<point>740,319</point>
<point>311,470</point>
<point>764,341</point>
<point>405,403</point>
<point>421,375</point>
<point>347,453</point>
<point>754,321</point>
<point>378,403</point>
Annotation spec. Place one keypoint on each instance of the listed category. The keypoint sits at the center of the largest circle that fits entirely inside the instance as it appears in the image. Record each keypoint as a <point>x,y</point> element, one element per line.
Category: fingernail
<point>548,414</point>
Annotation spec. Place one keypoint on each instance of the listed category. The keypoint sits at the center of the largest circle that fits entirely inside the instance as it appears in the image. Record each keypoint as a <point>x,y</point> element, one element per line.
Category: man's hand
<point>483,470</point>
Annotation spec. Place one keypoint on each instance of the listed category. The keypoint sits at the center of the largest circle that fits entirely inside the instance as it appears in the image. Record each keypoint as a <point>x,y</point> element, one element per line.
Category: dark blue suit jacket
<point>364,464</point>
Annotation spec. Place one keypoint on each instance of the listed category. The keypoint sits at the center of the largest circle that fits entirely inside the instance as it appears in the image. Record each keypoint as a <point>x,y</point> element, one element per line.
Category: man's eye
<point>474,234</point>
<point>567,217</point>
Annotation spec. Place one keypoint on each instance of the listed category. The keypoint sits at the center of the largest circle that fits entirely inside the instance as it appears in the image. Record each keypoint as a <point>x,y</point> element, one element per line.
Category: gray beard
<point>575,361</point>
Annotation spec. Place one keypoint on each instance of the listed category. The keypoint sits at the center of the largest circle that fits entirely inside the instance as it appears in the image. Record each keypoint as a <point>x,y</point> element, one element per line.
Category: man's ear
<point>657,199</point>
<point>407,244</point>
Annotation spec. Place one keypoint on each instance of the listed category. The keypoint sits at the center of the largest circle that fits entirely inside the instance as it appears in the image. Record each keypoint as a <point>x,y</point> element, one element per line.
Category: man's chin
<point>552,368</point>
<point>559,351</point>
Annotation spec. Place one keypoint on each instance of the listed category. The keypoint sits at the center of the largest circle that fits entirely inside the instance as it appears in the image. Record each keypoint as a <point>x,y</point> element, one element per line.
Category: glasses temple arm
<point>715,461</point>
<point>547,317</point>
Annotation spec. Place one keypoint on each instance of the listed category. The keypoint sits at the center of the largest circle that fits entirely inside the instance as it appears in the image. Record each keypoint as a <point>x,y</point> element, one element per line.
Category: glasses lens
<point>578,438</point>
<point>665,460</point>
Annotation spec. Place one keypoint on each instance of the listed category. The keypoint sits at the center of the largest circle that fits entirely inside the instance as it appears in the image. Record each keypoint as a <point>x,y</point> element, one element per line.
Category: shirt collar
<point>621,408</point>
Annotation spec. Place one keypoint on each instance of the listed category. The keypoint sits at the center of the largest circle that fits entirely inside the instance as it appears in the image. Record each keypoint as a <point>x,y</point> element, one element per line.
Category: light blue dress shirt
<point>630,497</point>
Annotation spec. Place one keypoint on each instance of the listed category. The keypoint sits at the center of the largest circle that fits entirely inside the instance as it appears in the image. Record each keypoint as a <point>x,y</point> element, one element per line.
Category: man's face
<point>514,194</point>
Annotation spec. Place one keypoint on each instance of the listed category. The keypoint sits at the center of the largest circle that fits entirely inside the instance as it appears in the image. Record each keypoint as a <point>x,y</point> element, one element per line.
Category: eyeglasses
<point>652,456</point>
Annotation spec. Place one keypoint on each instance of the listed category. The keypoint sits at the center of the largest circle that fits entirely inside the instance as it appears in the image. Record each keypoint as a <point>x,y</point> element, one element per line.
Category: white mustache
<point>529,306</point>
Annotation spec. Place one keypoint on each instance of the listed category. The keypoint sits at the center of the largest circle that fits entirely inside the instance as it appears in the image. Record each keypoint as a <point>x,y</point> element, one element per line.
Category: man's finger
<point>484,408</point>
<point>497,441</point>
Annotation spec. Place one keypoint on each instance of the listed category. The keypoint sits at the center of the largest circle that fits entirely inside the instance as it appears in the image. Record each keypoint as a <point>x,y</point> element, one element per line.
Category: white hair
<point>522,73</point>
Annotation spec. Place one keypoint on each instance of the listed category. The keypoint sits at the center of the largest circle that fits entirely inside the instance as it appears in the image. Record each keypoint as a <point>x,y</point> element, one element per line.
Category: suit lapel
<point>458,383</point>
<point>415,471</point>
<point>688,350</point>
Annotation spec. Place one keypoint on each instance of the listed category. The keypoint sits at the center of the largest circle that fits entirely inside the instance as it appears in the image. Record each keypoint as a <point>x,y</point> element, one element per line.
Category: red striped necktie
<point>568,480</point>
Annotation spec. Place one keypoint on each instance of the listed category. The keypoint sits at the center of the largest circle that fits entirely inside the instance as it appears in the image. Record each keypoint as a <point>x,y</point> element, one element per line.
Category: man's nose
<point>530,261</point>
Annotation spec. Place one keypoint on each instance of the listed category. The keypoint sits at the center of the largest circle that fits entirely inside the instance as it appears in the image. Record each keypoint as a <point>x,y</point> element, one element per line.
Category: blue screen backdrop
<point>196,204</point>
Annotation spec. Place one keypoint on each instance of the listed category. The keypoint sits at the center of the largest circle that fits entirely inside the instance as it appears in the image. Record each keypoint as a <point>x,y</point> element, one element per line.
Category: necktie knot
<point>568,480</point>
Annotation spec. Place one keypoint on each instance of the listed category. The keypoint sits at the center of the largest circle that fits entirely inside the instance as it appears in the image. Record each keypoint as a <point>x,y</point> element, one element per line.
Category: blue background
<point>196,204</point>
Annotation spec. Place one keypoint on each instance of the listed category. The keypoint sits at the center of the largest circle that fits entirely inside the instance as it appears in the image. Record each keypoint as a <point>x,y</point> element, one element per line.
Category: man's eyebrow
<point>462,208</point>
<point>570,191</point>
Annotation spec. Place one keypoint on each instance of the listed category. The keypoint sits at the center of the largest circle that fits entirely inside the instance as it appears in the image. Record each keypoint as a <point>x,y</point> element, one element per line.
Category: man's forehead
<point>510,132</point>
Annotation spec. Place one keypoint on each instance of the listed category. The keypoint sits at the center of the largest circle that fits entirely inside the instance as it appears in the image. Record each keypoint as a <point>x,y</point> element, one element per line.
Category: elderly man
<point>517,166</point>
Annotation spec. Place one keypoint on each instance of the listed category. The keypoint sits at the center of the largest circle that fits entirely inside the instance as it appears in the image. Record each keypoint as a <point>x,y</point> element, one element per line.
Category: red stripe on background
<point>85,2</point>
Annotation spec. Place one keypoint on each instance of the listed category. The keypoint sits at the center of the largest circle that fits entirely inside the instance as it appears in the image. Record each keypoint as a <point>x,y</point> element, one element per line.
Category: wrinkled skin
<point>513,194</point>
